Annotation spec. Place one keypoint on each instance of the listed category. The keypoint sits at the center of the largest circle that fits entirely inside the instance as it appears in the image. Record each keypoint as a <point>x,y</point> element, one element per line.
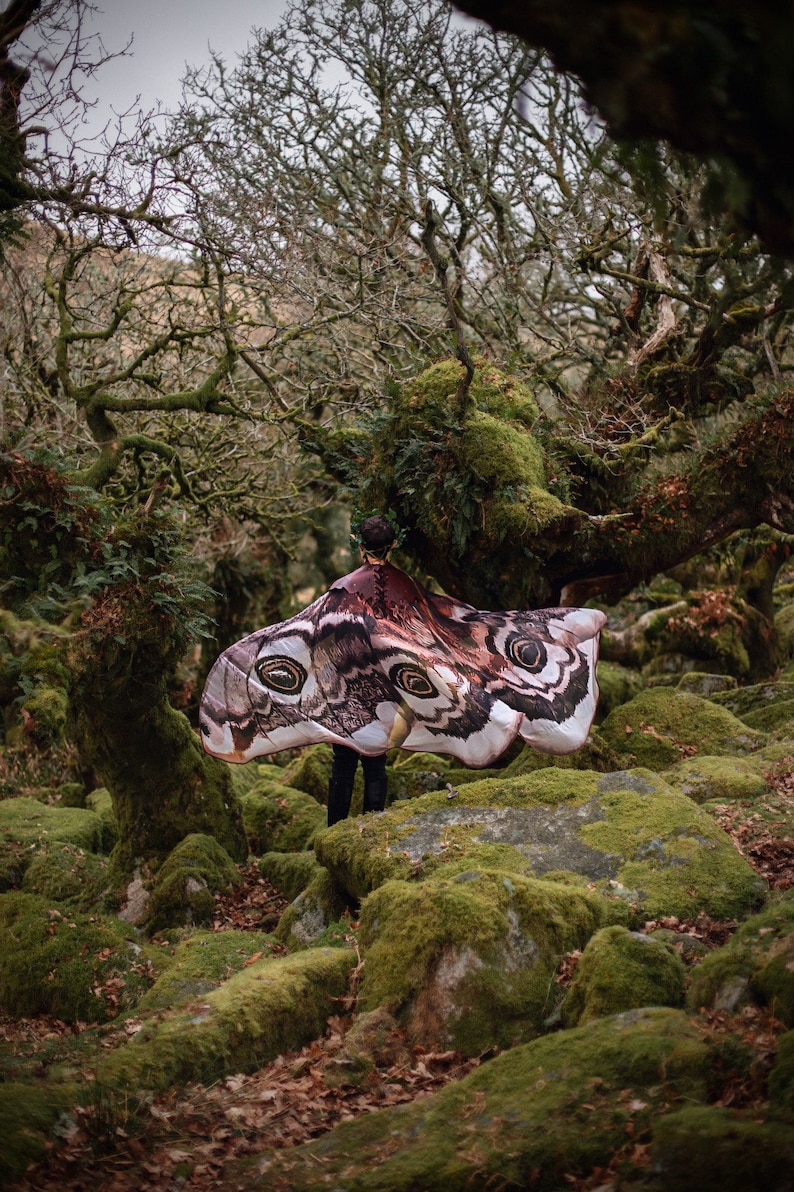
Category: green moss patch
<point>628,832</point>
<point>313,911</point>
<point>720,1150</point>
<point>557,1106</point>
<point>187,882</point>
<point>75,967</point>
<point>202,962</point>
<point>781,1078</point>
<point>674,859</point>
<point>29,1114</point>
<point>661,726</point>
<point>68,876</point>
<point>704,778</point>
<point>755,967</point>
<point>101,802</point>
<point>617,685</point>
<point>280,818</point>
<point>246,776</point>
<point>27,825</point>
<point>311,772</point>
<point>756,697</point>
<point>467,961</point>
<point>623,970</point>
<point>270,1007</point>
<point>289,873</point>
<point>595,754</point>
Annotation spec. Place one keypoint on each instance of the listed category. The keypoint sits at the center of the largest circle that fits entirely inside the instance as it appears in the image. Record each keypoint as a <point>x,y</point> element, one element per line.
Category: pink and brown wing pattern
<point>378,662</point>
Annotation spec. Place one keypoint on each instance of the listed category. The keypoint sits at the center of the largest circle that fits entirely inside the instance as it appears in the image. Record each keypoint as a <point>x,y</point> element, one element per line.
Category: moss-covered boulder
<point>187,882</point>
<point>595,754</point>
<point>704,778</point>
<point>623,970</point>
<point>661,726</point>
<point>407,780</point>
<point>617,685</point>
<point>311,772</point>
<point>755,699</point>
<point>26,825</point>
<point>705,684</point>
<point>271,1006</point>
<point>468,961</point>
<point>248,775</point>
<point>202,962</point>
<point>29,1115</point>
<point>312,912</point>
<point>721,1150</point>
<point>553,1108</point>
<point>74,966</point>
<point>627,833</point>
<point>755,967</point>
<point>280,818</point>
<point>374,1038</point>
<point>289,873</point>
<point>70,877</point>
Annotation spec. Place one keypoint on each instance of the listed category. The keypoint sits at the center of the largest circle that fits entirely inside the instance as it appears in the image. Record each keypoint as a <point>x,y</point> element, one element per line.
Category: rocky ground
<point>571,972</point>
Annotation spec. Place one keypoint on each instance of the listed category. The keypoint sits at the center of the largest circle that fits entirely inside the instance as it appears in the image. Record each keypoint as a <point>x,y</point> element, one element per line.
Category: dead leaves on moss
<point>763,830</point>
<point>192,1134</point>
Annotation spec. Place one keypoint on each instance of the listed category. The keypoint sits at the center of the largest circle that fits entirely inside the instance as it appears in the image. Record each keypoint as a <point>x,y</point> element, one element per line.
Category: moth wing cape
<point>377,662</point>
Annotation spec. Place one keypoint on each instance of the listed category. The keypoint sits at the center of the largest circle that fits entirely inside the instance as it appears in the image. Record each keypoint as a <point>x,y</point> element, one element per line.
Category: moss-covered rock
<point>623,970</point>
<point>77,967</point>
<point>720,1150</point>
<point>408,762</point>
<point>617,685</point>
<point>269,1007</point>
<point>289,873</point>
<point>777,719</point>
<point>374,1038</point>
<point>68,876</point>
<point>29,1114</point>
<point>280,818</point>
<point>595,754</point>
<point>248,775</point>
<point>757,697</point>
<point>628,833</point>
<point>310,914</point>
<point>660,726</point>
<point>187,882</point>
<point>311,772</point>
<point>755,967</point>
<point>703,683</point>
<point>26,825</point>
<point>468,961</point>
<point>202,962</point>
<point>704,778</point>
<point>555,1107</point>
<point>406,782</point>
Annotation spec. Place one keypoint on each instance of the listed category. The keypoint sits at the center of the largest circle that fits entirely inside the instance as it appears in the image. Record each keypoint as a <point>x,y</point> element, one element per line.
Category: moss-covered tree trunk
<point>162,783</point>
<point>112,662</point>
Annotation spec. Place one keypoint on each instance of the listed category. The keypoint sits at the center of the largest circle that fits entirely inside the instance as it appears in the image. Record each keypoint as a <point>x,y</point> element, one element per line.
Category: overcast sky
<point>168,35</point>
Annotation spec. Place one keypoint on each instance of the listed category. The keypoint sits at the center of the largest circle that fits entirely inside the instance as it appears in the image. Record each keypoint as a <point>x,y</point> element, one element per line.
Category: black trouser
<point>343,773</point>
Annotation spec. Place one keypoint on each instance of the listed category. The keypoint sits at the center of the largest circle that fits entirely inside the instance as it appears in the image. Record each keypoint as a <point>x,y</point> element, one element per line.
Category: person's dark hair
<point>377,534</point>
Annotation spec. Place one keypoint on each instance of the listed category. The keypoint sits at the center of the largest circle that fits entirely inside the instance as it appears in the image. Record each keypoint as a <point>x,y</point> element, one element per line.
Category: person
<point>378,662</point>
<point>377,539</point>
